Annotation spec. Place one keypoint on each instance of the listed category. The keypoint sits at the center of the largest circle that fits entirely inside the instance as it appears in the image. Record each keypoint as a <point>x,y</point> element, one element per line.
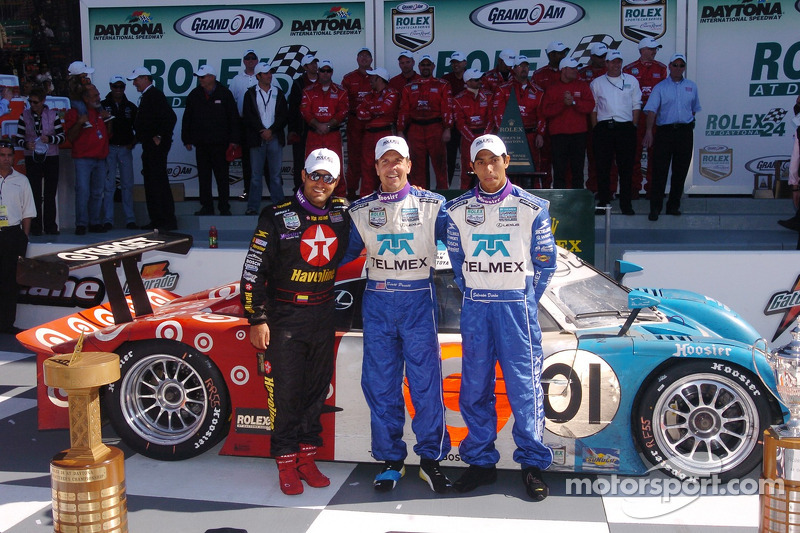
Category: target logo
<point>318,245</point>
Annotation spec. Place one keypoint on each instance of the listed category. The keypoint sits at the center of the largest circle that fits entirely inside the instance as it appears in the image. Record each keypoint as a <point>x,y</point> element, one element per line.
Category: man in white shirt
<point>618,102</point>
<point>239,85</point>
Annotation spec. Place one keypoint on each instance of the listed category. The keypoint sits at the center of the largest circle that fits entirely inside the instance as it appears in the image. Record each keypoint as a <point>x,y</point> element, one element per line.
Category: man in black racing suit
<point>287,293</point>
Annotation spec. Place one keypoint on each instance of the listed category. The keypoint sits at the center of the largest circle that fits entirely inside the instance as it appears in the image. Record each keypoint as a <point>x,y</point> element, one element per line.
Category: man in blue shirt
<point>672,107</point>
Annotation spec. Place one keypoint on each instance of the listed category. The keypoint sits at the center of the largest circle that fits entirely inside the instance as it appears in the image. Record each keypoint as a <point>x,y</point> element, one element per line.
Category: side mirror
<point>625,267</point>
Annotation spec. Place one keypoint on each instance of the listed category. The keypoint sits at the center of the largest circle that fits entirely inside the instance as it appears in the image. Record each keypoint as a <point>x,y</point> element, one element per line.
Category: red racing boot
<point>307,468</point>
<point>287,474</point>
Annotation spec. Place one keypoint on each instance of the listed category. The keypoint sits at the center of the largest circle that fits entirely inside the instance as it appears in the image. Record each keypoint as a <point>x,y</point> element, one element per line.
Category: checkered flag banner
<point>287,60</point>
<point>582,54</point>
<point>775,115</point>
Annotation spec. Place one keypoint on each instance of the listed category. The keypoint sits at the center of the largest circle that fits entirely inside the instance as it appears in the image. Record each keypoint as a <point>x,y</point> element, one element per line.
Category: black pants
<point>211,158</point>
<point>45,171</point>
<point>614,141</point>
<point>301,371</point>
<point>673,146</point>
<point>247,170</point>
<point>158,194</point>
<point>568,150</point>
<point>13,243</point>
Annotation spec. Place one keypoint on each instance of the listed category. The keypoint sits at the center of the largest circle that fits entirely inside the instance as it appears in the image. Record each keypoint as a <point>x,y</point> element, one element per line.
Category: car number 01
<point>580,398</point>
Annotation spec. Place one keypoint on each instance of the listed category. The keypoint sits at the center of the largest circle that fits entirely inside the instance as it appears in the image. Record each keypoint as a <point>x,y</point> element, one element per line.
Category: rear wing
<point>51,271</point>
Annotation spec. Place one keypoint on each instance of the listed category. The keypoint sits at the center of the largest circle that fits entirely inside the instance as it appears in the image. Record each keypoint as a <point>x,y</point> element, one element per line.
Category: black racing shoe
<point>389,476</point>
<point>535,486</point>
<point>429,471</point>
<point>475,476</point>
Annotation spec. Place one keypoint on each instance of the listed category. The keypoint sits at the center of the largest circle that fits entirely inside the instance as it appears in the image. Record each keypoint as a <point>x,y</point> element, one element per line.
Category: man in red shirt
<point>458,64</point>
<point>407,74</point>
<point>357,85</point>
<point>544,76</point>
<point>324,107</point>
<point>528,97</point>
<point>566,105</point>
<point>378,113</point>
<point>501,73</point>
<point>425,119</point>
<point>649,73</point>
<point>472,111</point>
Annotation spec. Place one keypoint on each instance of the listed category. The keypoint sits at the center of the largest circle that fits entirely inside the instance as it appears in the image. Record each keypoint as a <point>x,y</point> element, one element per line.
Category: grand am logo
<point>524,16</point>
<point>336,21</point>
<point>139,25</point>
<point>769,164</point>
<point>744,11</point>
<point>643,18</point>
<point>227,25</point>
<point>157,276</point>
<point>766,124</point>
<point>76,292</point>
<point>786,302</point>
<point>181,171</point>
<point>412,25</point>
<point>716,162</point>
<point>772,66</point>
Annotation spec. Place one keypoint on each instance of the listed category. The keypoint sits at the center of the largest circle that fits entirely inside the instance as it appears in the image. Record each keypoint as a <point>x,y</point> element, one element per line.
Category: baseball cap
<point>508,57</point>
<point>116,79</point>
<point>405,53</point>
<point>677,56</point>
<point>493,143</point>
<point>79,67</point>
<point>206,70</point>
<point>398,144</point>
<point>648,42</point>
<point>598,49</point>
<point>556,46</point>
<point>248,52</point>
<point>427,57</point>
<point>364,49</point>
<point>472,74</point>
<point>261,68</point>
<point>139,71</point>
<point>568,62</point>
<point>380,72</point>
<point>308,59</point>
<point>323,159</point>
<point>458,56</point>
<point>520,60</point>
<point>613,54</point>
<point>325,63</point>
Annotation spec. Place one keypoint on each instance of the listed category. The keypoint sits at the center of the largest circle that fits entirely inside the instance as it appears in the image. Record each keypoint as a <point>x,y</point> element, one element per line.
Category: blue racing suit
<point>503,256</point>
<point>399,231</point>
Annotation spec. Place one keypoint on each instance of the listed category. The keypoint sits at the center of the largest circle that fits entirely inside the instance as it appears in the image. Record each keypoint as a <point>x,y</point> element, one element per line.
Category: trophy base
<point>89,495</point>
<point>780,483</point>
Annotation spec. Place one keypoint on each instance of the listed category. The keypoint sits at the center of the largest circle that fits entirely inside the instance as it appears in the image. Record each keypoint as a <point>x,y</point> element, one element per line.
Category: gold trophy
<point>88,479</point>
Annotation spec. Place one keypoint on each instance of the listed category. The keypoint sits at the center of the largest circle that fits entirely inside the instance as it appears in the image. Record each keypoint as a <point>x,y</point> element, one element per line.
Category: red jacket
<point>324,105</point>
<point>562,118</point>
<point>425,99</point>
<point>648,74</point>
<point>379,109</point>
<point>588,73</point>
<point>528,99</point>
<point>493,79</point>
<point>398,82</point>
<point>544,76</point>
<point>473,112</point>
<point>456,85</point>
<point>92,143</point>
<point>357,86</point>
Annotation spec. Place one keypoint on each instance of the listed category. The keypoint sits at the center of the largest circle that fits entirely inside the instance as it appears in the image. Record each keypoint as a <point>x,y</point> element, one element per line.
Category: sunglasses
<point>325,70</point>
<point>327,178</point>
<point>6,144</point>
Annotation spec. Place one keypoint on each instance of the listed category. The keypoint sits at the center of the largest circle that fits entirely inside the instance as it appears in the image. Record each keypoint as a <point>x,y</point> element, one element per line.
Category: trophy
<point>88,479</point>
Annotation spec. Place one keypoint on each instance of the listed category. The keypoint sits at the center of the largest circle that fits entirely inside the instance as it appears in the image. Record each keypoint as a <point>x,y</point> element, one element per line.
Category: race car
<point>633,379</point>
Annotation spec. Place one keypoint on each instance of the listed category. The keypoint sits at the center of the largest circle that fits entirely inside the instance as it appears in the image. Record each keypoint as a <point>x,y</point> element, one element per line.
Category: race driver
<point>399,226</point>
<point>499,228</point>
<point>287,291</point>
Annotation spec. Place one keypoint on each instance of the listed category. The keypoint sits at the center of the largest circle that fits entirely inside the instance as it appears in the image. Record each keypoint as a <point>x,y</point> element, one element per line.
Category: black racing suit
<point>287,282</point>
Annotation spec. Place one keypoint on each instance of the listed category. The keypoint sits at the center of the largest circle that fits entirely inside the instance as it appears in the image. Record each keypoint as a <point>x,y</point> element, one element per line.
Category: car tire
<point>690,409</point>
<point>170,403</point>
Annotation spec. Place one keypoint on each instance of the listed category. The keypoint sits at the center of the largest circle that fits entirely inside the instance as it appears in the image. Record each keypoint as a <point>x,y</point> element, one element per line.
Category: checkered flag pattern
<point>287,59</point>
<point>581,52</point>
<point>775,115</point>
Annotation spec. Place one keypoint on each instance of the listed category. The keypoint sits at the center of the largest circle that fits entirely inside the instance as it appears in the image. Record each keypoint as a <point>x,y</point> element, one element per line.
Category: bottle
<point>212,237</point>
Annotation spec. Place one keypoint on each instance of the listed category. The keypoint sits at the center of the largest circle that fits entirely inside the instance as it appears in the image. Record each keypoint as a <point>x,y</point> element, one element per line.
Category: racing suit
<point>357,85</point>
<point>426,110</point>
<point>493,79</point>
<point>473,114</point>
<point>400,230</point>
<point>503,256</point>
<point>378,114</point>
<point>325,104</point>
<point>287,282</point>
<point>648,74</point>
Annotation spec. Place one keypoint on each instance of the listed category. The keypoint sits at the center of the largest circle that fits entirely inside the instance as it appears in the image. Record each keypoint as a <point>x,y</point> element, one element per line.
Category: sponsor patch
<point>508,214</point>
<point>377,217</point>
<point>409,214</point>
<point>475,215</point>
<point>291,221</point>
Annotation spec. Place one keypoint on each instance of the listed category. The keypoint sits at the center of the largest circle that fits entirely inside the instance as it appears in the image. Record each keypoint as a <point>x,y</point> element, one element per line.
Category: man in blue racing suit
<point>503,256</point>
<point>399,227</point>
